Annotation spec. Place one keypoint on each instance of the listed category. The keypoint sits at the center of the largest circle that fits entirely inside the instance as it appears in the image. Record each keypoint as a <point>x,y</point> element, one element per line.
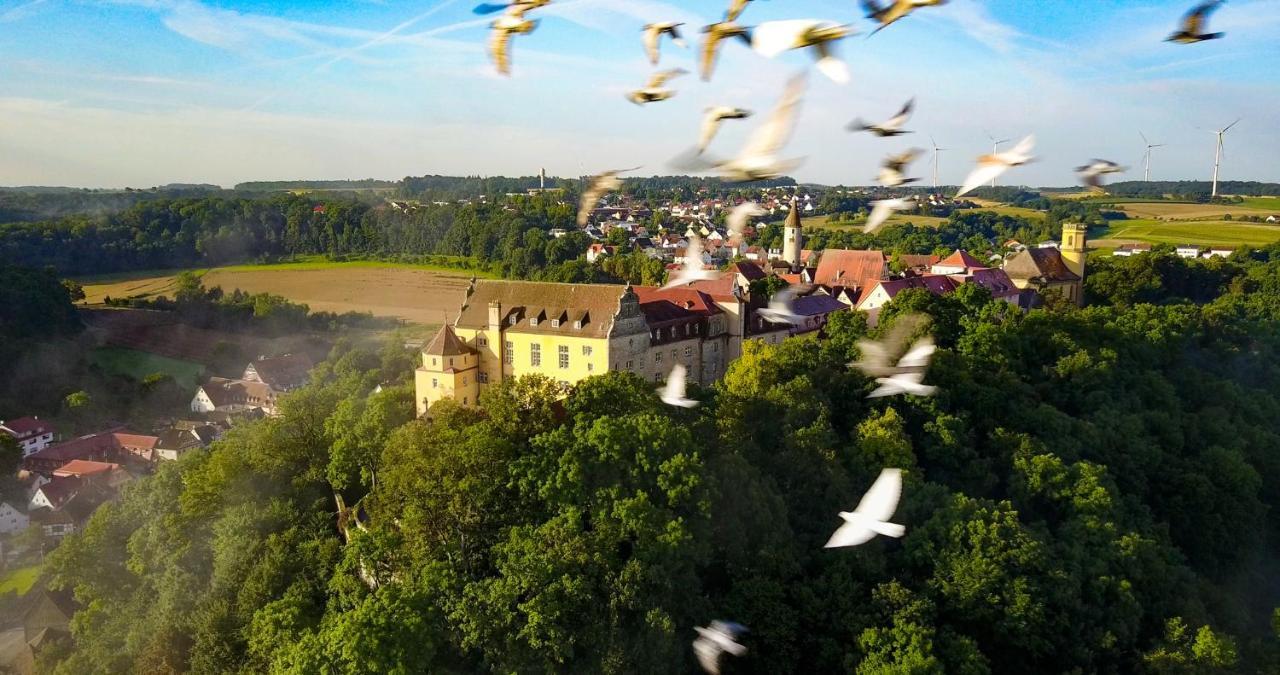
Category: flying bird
<point>711,122</point>
<point>653,34</point>
<point>780,309</point>
<point>490,8</point>
<point>720,638</point>
<point>910,376</point>
<point>711,44</point>
<point>1193,24</point>
<point>758,159</point>
<point>993,166</point>
<point>738,217</point>
<point>735,10</point>
<point>878,357</point>
<point>873,513</point>
<point>654,91</point>
<point>673,392</point>
<point>894,10</point>
<point>882,209</point>
<point>892,127</point>
<point>692,270</point>
<point>511,23</point>
<point>605,182</point>
<point>774,37</point>
<point>893,169</point>
<point>1091,174</point>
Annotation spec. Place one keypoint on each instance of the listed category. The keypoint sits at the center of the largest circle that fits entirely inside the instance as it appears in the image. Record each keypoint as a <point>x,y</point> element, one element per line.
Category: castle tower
<point>792,237</point>
<point>448,370</point>
<point>1073,254</point>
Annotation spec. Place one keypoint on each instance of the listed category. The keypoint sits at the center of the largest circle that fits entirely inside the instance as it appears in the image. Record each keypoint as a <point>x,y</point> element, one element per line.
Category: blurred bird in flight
<point>883,208</point>
<point>716,640</point>
<point>1091,174</point>
<point>711,122</point>
<point>758,159</point>
<point>991,167</point>
<point>692,270</point>
<point>780,308</point>
<point>673,393</point>
<point>774,37</point>
<point>653,35</point>
<point>893,169</point>
<point>1193,24</point>
<point>891,127</point>
<point>711,43</point>
<point>894,10</point>
<point>599,185</point>
<point>738,217</point>
<point>511,23</point>
<point>654,91</point>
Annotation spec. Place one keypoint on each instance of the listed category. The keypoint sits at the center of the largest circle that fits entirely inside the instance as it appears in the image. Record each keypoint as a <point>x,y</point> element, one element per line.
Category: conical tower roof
<point>793,215</point>
<point>447,343</point>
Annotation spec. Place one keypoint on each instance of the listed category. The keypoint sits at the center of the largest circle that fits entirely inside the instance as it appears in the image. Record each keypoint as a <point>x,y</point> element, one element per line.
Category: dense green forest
<point>1191,189</point>
<point>1089,492</point>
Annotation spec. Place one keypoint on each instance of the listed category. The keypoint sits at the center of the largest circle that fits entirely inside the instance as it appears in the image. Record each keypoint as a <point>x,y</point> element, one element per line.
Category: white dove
<point>893,127</point>
<point>774,37</point>
<point>711,122</point>
<point>990,167</point>
<point>673,392</point>
<point>715,640</point>
<point>873,513</point>
<point>653,33</point>
<point>692,270</point>
<point>607,181</point>
<point>758,159</point>
<point>779,309</point>
<point>910,376</point>
<point>738,217</point>
<point>883,208</point>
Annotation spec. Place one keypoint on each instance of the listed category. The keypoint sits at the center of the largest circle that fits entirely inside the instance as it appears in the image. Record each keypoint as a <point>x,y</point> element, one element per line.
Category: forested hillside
<point>1090,491</point>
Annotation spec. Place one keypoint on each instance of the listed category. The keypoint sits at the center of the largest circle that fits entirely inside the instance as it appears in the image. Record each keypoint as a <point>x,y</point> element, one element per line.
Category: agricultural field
<point>138,365</point>
<point>897,219</point>
<point>1198,233</point>
<point>1269,204</point>
<point>1185,211</point>
<point>20,580</point>
<point>415,294</point>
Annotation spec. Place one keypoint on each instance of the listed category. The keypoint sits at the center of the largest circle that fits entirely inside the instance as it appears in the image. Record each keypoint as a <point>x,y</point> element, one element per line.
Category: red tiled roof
<point>792,279</point>
<point>136,441</point>
<point>84,447</point>
<point>840,267</point>
<point>60,489</point>
<point>935,284</point>
<point>961,258</point>
<point>719,289</point>
<point>24,427</point>
<point>84,467</point>
<point>914,260</point>
<point>673,304</point>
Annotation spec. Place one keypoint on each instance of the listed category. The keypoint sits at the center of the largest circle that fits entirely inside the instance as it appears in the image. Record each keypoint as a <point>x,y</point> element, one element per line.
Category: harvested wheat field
<point>417,296</point>
<point>1174,211</point>
<point>414,295</point>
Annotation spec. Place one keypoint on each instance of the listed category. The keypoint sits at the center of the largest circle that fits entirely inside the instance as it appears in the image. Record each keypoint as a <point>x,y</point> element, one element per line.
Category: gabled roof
<point>994,280</point>
<point>283,372</point>
<point>81,468</point>
<point>599,302</point>
<point>447,343</point>
<point>816,304</point>
<point>1043,264</point>
<point>935,284</point>
<point>674,304</point>
<point>961,258</point>
<point>751,271</point>
<point>84,447</point>
<point>841,267</point>
<point>922,260</point>
<point>224,392</point>
<point>60,490</point>
<point>25,427</point>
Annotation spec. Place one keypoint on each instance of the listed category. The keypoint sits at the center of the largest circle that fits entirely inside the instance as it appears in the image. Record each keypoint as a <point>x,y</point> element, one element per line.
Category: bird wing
<point>710,45</point>
<point>710,124</point>
<point>981,174</point>
<point>651,36</point>
<point>850,534</point>
<point>590,197</point>
<point>1194,21</point>
<point>873,9</point>
<point>918,356</point>
<point>882,499</point>
<point>781,301</point>
<point>774,133</point>
<point>499,44</point>
<point>675,388</point>
<point>883,209</point>
<point>735,9</point>
<point>901,118</point>
<point>487,8</point>
<point>1023,149</point>
<point>774,37</point>
<point>836,70</point>
<point>875,358</point>
<point>693,252</point>
<point>737,220</point>
<point>660,78</point>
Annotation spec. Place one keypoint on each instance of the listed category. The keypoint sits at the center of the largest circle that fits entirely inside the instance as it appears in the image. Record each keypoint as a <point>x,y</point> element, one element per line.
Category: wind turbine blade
<point>1232,125</point>
<point>1144,138</point>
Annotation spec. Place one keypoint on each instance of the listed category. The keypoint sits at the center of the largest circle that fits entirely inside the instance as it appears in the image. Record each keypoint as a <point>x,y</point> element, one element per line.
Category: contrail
<point>385,36</point>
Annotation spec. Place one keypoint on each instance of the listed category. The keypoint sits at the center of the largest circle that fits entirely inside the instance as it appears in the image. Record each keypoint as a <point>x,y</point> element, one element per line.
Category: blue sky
<point>143,92</point>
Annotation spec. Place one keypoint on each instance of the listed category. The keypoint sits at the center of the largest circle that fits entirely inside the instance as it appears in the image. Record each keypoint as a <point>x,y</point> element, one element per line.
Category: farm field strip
<point>1197,233</point>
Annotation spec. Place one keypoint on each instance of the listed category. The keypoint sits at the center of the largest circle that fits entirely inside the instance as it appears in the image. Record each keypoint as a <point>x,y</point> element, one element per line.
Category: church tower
<point>1073,255</point>
<point>792,237</point>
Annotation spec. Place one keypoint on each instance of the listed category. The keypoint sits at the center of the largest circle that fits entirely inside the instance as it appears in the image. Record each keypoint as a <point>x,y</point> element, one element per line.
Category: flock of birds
<point>898,366</point>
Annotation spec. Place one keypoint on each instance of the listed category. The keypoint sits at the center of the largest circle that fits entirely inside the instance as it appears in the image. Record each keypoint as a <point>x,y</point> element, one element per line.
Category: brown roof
<point>719,289</point>
<point>674,304</point>
<point>816,305</point>
<point>961,258</point>
<point>135,441</point>
<point>994,280</point>
<point>1043,264</point>
<point>749,270</point>
<point>283,372</point>
<point>225,392</point>
<point>840,267</point>
<point>934,283</point>
<point>84,467</point>
<point>447,343</point>
<point>595,304</point>
<point>25,427</point>
<point>85,447</point>
<point>914,260</point>
<point>61,489</point>
<point>793,216</point>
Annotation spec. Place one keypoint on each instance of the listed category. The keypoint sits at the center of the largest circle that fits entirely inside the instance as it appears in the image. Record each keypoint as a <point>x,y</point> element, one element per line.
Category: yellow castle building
<point>1053,268</point>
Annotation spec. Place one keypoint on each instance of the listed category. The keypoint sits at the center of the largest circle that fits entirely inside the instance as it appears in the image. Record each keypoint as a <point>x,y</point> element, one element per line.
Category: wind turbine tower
<point>1217,155</point>
<point>1146,158</point>
<point>936,150</point>
<point>995,147</point>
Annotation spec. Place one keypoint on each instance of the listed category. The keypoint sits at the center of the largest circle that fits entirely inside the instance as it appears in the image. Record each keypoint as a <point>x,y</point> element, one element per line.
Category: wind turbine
<point>995,147</point>
<point>1217,155</point>
<point>936,150</point>
<point>1146,158</point>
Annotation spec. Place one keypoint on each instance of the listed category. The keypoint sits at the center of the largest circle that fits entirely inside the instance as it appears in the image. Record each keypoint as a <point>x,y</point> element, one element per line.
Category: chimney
<point>495,316</point>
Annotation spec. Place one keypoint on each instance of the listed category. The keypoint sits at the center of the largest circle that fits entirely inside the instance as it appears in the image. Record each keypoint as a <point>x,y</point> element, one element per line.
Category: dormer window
<point>533,321</point>
<point>577,325</point>
<point>514,319</point>
<point>555,323</point>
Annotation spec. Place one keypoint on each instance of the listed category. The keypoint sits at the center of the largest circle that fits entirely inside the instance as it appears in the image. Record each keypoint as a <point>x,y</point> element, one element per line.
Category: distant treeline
<point>1192,189</point>
<point>277,185</point>
<point>31,204</point>
<point>450,188</point>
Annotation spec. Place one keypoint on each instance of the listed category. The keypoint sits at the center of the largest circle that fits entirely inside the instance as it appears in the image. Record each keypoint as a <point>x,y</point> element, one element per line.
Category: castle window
<point>591,367</point>
<point>657,357</point>
<point>482,378</point>
<point>514,319</point>
<point>483,341</point>
<point>586,350</point>
<point>577,325</point>
<point>435,384</point>
<point>555,323</point>
<point>688,352</point>
<point>630,365</point>
<point>464,400</point>
<point>674,354</point>
<point>535,355</point>
<point>508,353</point>
<point>564,356</point>
<point>533,321</point>
<point>451,362</point>
<point>434,362</point>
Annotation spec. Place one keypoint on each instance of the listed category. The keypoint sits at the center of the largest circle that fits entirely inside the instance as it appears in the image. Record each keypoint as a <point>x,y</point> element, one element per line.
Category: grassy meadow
<point>1197,233</point>
<point>138,365</point>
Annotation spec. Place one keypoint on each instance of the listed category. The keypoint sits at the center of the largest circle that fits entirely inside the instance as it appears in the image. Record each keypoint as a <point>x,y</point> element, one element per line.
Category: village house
<point>31,433</point>
<point>1058,268</point>
<point>12,519</point>
<point>1187,251</point>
